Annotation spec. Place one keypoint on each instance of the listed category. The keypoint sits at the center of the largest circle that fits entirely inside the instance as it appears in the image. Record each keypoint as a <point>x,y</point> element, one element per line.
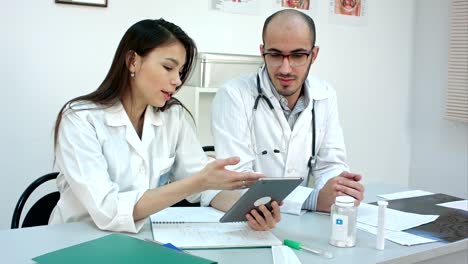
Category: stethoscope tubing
<point>270,105</point>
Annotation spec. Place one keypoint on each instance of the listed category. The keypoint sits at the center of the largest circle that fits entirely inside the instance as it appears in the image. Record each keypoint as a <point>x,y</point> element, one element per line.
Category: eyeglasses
<point>296,59</point>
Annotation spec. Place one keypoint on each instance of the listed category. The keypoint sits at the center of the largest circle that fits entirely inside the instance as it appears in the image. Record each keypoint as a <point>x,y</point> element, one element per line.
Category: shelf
<point>203,89</point>
<point>207,90</point>
<point>198,101</point>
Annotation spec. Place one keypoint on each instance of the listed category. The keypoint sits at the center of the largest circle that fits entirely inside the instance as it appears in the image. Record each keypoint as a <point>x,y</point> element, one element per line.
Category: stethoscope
<point>261,95</point>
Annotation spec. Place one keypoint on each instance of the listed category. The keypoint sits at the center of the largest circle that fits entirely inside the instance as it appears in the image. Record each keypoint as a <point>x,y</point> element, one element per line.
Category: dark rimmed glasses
<point>296,59</point>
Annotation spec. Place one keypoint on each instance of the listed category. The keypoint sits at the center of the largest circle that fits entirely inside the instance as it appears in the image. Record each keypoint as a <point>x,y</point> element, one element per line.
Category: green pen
<point>299,246</point>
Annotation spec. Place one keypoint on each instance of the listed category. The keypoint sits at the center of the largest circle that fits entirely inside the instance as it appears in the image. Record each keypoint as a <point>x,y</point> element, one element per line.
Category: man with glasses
<point>283,122</point>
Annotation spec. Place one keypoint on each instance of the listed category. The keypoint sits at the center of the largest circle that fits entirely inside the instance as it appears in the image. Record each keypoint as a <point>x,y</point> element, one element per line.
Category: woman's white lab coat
<point>263,138</point>
<point>105,168</point>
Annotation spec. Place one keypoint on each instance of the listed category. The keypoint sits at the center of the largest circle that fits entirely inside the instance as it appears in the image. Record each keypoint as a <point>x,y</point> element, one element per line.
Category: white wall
<point>439,157</point>
<point>52,52</point>
<point>373,84</point>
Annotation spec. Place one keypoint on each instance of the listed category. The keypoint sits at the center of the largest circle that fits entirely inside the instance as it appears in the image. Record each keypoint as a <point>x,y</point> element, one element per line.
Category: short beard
<point>300,86</point>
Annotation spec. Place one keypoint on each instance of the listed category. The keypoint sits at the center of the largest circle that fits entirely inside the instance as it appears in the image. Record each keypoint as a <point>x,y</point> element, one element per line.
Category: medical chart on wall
<point>348,12</point>
<point>297,4</point>
<point>246,7</point>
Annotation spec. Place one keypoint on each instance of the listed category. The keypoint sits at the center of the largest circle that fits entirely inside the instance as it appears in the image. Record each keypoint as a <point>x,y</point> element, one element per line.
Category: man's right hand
<point>344,184</point>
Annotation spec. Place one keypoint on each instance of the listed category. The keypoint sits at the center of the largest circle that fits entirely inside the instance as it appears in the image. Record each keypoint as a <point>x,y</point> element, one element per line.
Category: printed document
<point>400,237</point>
<point>284,255</point>
<point>395,220</point>
<point>405,194</point>
<point>460,205</point>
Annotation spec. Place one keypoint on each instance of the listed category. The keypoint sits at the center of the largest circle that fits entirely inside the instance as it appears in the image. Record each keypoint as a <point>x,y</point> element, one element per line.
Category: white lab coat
<point>105,168</point>
<point>238,131</point>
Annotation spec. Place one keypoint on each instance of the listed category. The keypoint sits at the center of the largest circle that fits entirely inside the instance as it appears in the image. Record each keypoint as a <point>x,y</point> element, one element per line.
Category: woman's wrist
<point>198,181</point>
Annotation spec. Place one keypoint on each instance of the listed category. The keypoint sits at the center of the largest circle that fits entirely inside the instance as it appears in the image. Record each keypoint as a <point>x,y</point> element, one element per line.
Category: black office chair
<point>208,148</point>
<point>40,212</point>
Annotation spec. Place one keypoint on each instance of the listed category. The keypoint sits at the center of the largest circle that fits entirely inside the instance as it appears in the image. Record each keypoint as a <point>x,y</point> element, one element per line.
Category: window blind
<point>457,86</point>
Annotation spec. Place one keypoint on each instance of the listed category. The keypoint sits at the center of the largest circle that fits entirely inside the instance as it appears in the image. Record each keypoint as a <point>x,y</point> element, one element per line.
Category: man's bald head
<point>287,15</point>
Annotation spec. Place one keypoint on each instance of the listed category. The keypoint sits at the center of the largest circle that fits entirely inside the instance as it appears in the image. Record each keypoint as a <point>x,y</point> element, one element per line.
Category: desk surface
<point>21,245</point>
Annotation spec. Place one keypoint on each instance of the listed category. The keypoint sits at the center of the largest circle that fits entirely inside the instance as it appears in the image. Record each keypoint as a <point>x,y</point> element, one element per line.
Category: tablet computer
<point>264,191</point>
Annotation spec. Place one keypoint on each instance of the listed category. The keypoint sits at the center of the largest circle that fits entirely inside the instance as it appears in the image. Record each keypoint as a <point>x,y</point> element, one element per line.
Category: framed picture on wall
<point>100,3</point>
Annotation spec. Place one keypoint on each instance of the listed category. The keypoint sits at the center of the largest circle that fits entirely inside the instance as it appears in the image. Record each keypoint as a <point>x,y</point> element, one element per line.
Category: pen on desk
<point>299,246</point>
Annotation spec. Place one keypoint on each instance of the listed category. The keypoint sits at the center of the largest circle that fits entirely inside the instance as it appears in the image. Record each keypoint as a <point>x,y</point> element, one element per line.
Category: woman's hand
<point>215,177</point>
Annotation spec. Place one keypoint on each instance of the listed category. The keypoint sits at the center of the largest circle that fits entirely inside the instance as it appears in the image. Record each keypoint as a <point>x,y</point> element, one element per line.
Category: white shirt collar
<point>315,88</point>
<point>117,116</point>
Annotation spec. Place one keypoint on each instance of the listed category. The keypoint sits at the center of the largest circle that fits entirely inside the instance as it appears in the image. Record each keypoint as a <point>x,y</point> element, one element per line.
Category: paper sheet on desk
<point>292,204</point>
<point>400,237</point>
<point>395,220</point>
<point>461,205</point>
<point>284,255</point>
<point>405,194</point>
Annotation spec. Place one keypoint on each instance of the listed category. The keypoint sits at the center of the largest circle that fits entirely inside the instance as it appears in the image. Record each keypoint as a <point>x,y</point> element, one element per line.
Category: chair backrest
<point>210,151</point>
<point>40,212</point>
<point>208,148</point>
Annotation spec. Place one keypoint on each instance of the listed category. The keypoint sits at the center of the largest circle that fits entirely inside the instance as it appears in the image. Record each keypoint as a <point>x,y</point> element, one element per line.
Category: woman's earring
<point>132,74</point>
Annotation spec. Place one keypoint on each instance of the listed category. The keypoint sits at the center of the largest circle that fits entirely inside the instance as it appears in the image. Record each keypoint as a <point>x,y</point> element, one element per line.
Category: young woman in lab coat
<point>128,149</point>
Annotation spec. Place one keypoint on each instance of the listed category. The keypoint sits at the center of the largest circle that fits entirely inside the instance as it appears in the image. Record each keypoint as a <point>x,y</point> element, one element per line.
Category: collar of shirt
<point>117,116</point>
<point>291,114</point>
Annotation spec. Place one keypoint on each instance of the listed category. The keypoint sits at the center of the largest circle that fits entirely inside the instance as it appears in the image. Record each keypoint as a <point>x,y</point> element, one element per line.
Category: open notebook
<point>199,227</point>
<point>213,235</point>
<point>187,215</point>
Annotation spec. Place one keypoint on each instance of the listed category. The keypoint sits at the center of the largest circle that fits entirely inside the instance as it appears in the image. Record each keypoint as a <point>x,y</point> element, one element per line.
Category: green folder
<point>116,249</point>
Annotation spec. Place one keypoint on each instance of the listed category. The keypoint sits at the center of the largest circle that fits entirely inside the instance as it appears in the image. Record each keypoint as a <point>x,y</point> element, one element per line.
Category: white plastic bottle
<point>343,216</point>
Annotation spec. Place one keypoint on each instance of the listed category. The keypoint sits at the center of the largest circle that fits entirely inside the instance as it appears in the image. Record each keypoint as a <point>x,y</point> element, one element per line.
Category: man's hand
<point>344,184</point>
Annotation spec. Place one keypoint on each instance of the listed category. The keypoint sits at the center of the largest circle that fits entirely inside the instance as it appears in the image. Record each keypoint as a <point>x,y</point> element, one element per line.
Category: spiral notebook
<point>187,215</point>
<point>213,235</point>
<point>199,227</point>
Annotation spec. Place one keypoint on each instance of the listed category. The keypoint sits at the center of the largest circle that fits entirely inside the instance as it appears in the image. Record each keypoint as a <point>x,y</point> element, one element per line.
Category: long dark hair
<point>142,38</point>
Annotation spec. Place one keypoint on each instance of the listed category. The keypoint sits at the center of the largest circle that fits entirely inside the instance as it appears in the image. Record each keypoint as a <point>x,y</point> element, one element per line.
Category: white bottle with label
<point>343,222</point>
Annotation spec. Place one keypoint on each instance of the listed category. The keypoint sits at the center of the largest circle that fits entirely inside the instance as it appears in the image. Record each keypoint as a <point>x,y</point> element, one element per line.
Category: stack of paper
<point>460,205</point>
<point>405,194</point>
<point>400,237</point>
<point>284,255</point>
<point>395,222</point>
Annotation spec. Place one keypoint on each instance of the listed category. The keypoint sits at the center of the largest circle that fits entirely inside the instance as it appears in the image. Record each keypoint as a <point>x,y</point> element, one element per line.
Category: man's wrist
<point>311,201</point>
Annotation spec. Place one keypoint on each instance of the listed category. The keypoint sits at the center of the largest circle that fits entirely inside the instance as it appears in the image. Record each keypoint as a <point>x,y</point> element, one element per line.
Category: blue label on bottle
<point>339,221</point>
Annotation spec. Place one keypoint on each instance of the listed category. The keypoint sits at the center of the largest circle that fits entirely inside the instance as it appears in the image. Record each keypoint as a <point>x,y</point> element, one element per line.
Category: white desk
<point>20,245</point>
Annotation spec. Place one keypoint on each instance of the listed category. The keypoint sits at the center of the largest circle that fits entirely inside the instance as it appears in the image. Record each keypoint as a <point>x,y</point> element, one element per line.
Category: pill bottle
<point>343,216</point>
